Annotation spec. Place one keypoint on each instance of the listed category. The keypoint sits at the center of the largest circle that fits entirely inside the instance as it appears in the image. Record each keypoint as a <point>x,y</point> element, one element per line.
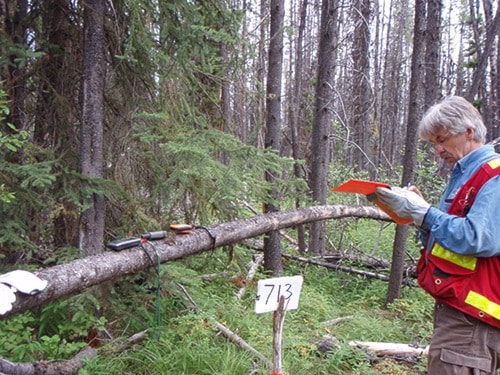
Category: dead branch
<point>337,320</point>
<point>337,267</point>
<point>368,261</point>
<point>132,340</point>
<point>233,337</point>
<point>257,261</point>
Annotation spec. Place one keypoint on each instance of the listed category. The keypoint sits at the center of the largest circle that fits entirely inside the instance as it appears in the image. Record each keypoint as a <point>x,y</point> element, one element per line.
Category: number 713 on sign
<point>269,292</point>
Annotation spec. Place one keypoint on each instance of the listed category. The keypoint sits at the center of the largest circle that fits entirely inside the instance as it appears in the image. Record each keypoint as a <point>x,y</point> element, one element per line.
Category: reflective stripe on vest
<point>495,163</point>
<point>484,304</point>
<point>464,261</point>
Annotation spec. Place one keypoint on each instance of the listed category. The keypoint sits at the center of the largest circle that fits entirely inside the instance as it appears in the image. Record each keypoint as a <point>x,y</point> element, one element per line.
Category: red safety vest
<point>469,284</point>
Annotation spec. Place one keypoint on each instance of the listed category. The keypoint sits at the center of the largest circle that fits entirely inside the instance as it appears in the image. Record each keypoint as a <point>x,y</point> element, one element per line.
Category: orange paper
<point>368,188</point>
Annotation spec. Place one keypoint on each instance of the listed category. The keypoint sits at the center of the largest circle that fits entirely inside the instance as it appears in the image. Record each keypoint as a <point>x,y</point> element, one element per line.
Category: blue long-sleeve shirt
<point>478,233</point>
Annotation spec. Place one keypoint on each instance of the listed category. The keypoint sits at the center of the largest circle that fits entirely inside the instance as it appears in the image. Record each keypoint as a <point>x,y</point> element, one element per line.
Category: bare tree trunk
<point>323,115</point>
<point>14,73</point>
<point>68,367</point>
<point>227,117</point>
<point>376,84</point>
<point>259,117</point>
<point>296,113</point>
<point>410,157</point>
<point>390,129</point>
<point>57,111</point>
<point>483,55</point>
<point>432,47</point>
<point>460,86</point>
<point>91,149</point>
<point>361,90</point>
<point>240,97</point>
<point>491,101</point>
<point>272,248</point>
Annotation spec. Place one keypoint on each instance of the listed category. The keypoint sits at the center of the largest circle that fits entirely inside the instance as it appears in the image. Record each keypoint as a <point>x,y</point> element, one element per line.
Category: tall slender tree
<point>57,112</point>
<point>296,112</point>
<point>361,85</point>
<point>323,117</point>
<point>391,81</point>
<point>432,47</point>
<point>14,45</point>
<point>272,248</point>
<point>91,148</point>
<point>483,52</point>
<point>410,155</point>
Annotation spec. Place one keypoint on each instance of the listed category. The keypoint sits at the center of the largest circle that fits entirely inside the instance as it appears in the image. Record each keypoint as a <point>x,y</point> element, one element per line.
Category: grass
<point>190,344</point>
<point>187,342</point>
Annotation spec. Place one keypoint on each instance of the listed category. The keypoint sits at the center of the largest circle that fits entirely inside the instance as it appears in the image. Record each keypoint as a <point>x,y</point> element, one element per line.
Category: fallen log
<point>69,367</point>
<point>380,349</point>
<point>74,277</point>
<point>390,349</point>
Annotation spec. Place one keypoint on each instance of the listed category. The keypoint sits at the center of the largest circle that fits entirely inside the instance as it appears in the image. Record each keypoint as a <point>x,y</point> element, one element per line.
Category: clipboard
<point>368,188</point>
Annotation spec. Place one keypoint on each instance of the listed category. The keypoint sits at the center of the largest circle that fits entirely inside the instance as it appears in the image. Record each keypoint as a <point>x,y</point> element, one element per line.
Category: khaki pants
<point>462,345</point>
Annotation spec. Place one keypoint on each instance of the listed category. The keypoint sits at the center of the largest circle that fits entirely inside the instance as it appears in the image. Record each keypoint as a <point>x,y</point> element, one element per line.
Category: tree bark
<point>91,148</point>
<point>479,74</point>
<point>56,114</point>
<point>14,73</point>
<point>410,157</point>
<point>76,276</point>
<point>69,367</point>
<point>432,48</point>
<point>361,90</point>
<point>296,104</point>
<point>272,248</point>
<point>323,116</point>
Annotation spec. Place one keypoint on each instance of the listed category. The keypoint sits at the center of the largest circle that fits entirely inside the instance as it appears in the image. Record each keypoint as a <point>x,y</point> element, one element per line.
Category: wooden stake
<point>278,319</point>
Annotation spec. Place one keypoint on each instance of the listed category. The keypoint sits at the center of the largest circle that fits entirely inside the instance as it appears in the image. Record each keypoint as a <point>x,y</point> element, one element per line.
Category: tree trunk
<point>76,276</point>
<point>323,116</point>
<point>57,113</point>
<point>14,73</point>
<point>260,72</point>
<point>483,56</point>
<point>68,367</point>
<point>272,248</point>
<point>490,101</point>
<point>361,90</point>
<point>410,157</point>
<point>296,113</point>
<point>91,148</point>
<point>432,48</point>
<point>393,89</point>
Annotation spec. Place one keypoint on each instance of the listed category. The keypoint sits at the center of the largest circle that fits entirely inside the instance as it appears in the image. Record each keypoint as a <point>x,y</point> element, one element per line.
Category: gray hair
<point>454,114</point>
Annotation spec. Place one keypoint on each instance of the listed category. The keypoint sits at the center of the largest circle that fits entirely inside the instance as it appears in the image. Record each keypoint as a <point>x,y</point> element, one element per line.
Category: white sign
<point>269,292</point>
